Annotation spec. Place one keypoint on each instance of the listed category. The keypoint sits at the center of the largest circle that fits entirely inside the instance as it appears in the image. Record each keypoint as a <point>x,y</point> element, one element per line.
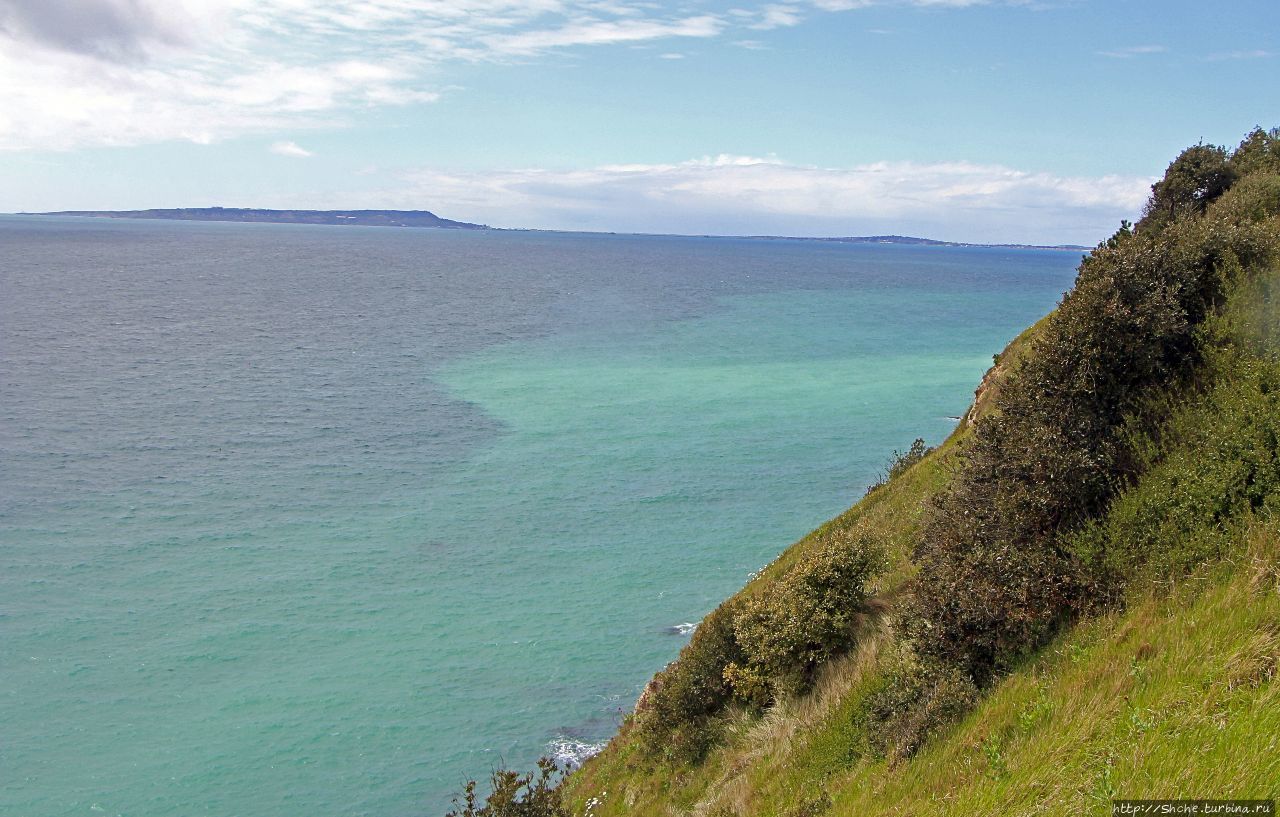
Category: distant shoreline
<point>420,219</point>
<point>923,242</point>
<point>366,218</point>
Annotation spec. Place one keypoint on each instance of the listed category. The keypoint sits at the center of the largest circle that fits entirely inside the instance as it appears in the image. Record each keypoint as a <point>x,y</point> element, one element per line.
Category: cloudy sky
<point>980,120</point>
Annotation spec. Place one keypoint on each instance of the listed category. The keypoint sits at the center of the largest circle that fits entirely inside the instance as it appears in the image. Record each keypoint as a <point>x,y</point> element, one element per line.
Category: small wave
<point>683,629</point>
<point>571,752</point>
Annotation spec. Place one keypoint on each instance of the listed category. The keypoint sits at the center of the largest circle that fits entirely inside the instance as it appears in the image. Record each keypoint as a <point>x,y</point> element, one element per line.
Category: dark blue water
<point>312,520</point>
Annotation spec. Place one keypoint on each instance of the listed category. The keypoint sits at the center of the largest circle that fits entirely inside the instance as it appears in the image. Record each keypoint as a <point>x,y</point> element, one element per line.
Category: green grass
<point>1174,697</point>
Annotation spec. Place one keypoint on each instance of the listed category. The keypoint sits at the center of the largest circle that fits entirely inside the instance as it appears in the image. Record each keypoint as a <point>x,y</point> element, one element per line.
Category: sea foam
<point>571,752</point>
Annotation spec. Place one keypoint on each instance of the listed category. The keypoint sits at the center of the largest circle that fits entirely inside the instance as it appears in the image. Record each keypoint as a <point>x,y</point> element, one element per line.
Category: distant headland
<point>368,218</point>
<point>424,218</point>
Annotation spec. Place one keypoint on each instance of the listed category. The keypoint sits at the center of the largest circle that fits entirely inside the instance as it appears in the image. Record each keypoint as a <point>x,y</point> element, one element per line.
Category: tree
<point>1259,152</point>
<point>1198,176</point>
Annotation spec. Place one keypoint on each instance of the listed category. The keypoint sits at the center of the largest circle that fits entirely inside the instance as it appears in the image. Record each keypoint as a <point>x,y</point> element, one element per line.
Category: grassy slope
<point>1172,697</point>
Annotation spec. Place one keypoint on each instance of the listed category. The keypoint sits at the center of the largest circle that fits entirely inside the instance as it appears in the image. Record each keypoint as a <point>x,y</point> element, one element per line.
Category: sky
<point>1031,121</point>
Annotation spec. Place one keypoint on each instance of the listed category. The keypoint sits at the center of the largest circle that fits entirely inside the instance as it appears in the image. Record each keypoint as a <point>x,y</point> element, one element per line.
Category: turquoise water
<point>324,521</point>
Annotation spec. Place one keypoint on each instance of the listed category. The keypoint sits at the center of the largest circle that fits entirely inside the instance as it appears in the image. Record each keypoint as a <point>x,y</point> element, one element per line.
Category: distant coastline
<point>924,242</point>
<point>424,218</point>
<point>367,218</point>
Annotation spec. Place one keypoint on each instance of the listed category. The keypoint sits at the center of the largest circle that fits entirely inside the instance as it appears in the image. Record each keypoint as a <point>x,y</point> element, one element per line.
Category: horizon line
<point>866,239</point>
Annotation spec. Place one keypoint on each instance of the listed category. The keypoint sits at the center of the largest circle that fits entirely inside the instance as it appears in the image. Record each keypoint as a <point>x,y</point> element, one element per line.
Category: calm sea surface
<point>323,521</point>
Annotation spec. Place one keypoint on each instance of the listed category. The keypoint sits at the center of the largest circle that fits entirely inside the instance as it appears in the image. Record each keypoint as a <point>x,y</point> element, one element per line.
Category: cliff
<point>1075,598</point>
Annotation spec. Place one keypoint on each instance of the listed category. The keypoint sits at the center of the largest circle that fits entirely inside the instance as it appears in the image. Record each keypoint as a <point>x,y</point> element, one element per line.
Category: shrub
<point>759,645</point>
<point>997,576</point>
<point>1198,176</point>
<point>1215,460</point>
<point>750,685</point>
<point>808,616</point>
<point>1252,199</point>
<point>1258,153</point>
<point>675,715</point>
<point>914,702</point>
<point>901,461</point>
<point>535,794</point>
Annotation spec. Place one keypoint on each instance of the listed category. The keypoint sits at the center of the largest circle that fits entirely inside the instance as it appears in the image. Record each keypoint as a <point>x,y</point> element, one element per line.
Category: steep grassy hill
<point>1075,598</point>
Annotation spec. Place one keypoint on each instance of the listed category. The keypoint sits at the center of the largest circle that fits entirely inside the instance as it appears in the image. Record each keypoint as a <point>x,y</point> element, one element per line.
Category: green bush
<point>901,462</point>
<point>1198,176</point>
<point>1253,199</point>
<point>996,573</point>
<point>534,794</point>
<point>675,716</point>
<point>1215,463</point>
<point>806,617</point>
<point>758,646</point>
<point>915,701</point>
<point>1259,153</point>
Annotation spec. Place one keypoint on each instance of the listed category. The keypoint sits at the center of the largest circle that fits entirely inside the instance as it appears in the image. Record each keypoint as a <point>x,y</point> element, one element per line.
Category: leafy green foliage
<point>915,701</point>
<point>902,461</point>
<point>1198,176</point>
<point>1216,464</point>
<point>1259,153</point>
<point>676,715</point>
<point>534,794</point>
<point>996,578</point>
<point>808,616</point>
<point>761,646</point>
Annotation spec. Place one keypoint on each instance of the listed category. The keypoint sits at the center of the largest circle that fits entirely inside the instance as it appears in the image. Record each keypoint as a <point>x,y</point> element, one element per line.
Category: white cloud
<point>752,195</point>
<point>120,30</point>
<point>77,73</point>
<point>70,100</point>
<point>291,149</point>
<point>777,16</point>
<point>122,72</point>
<point>849,5</point>
<point>603,33</point>
<point>1255,54</point>
<point>1134,51</point>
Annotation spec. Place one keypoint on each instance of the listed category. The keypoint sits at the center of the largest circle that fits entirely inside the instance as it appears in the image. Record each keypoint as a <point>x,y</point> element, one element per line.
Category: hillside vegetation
<point>1075,598</point>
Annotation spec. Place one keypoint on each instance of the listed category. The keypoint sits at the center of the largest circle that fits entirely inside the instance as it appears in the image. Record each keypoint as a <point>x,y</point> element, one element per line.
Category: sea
<point>325,521</point>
